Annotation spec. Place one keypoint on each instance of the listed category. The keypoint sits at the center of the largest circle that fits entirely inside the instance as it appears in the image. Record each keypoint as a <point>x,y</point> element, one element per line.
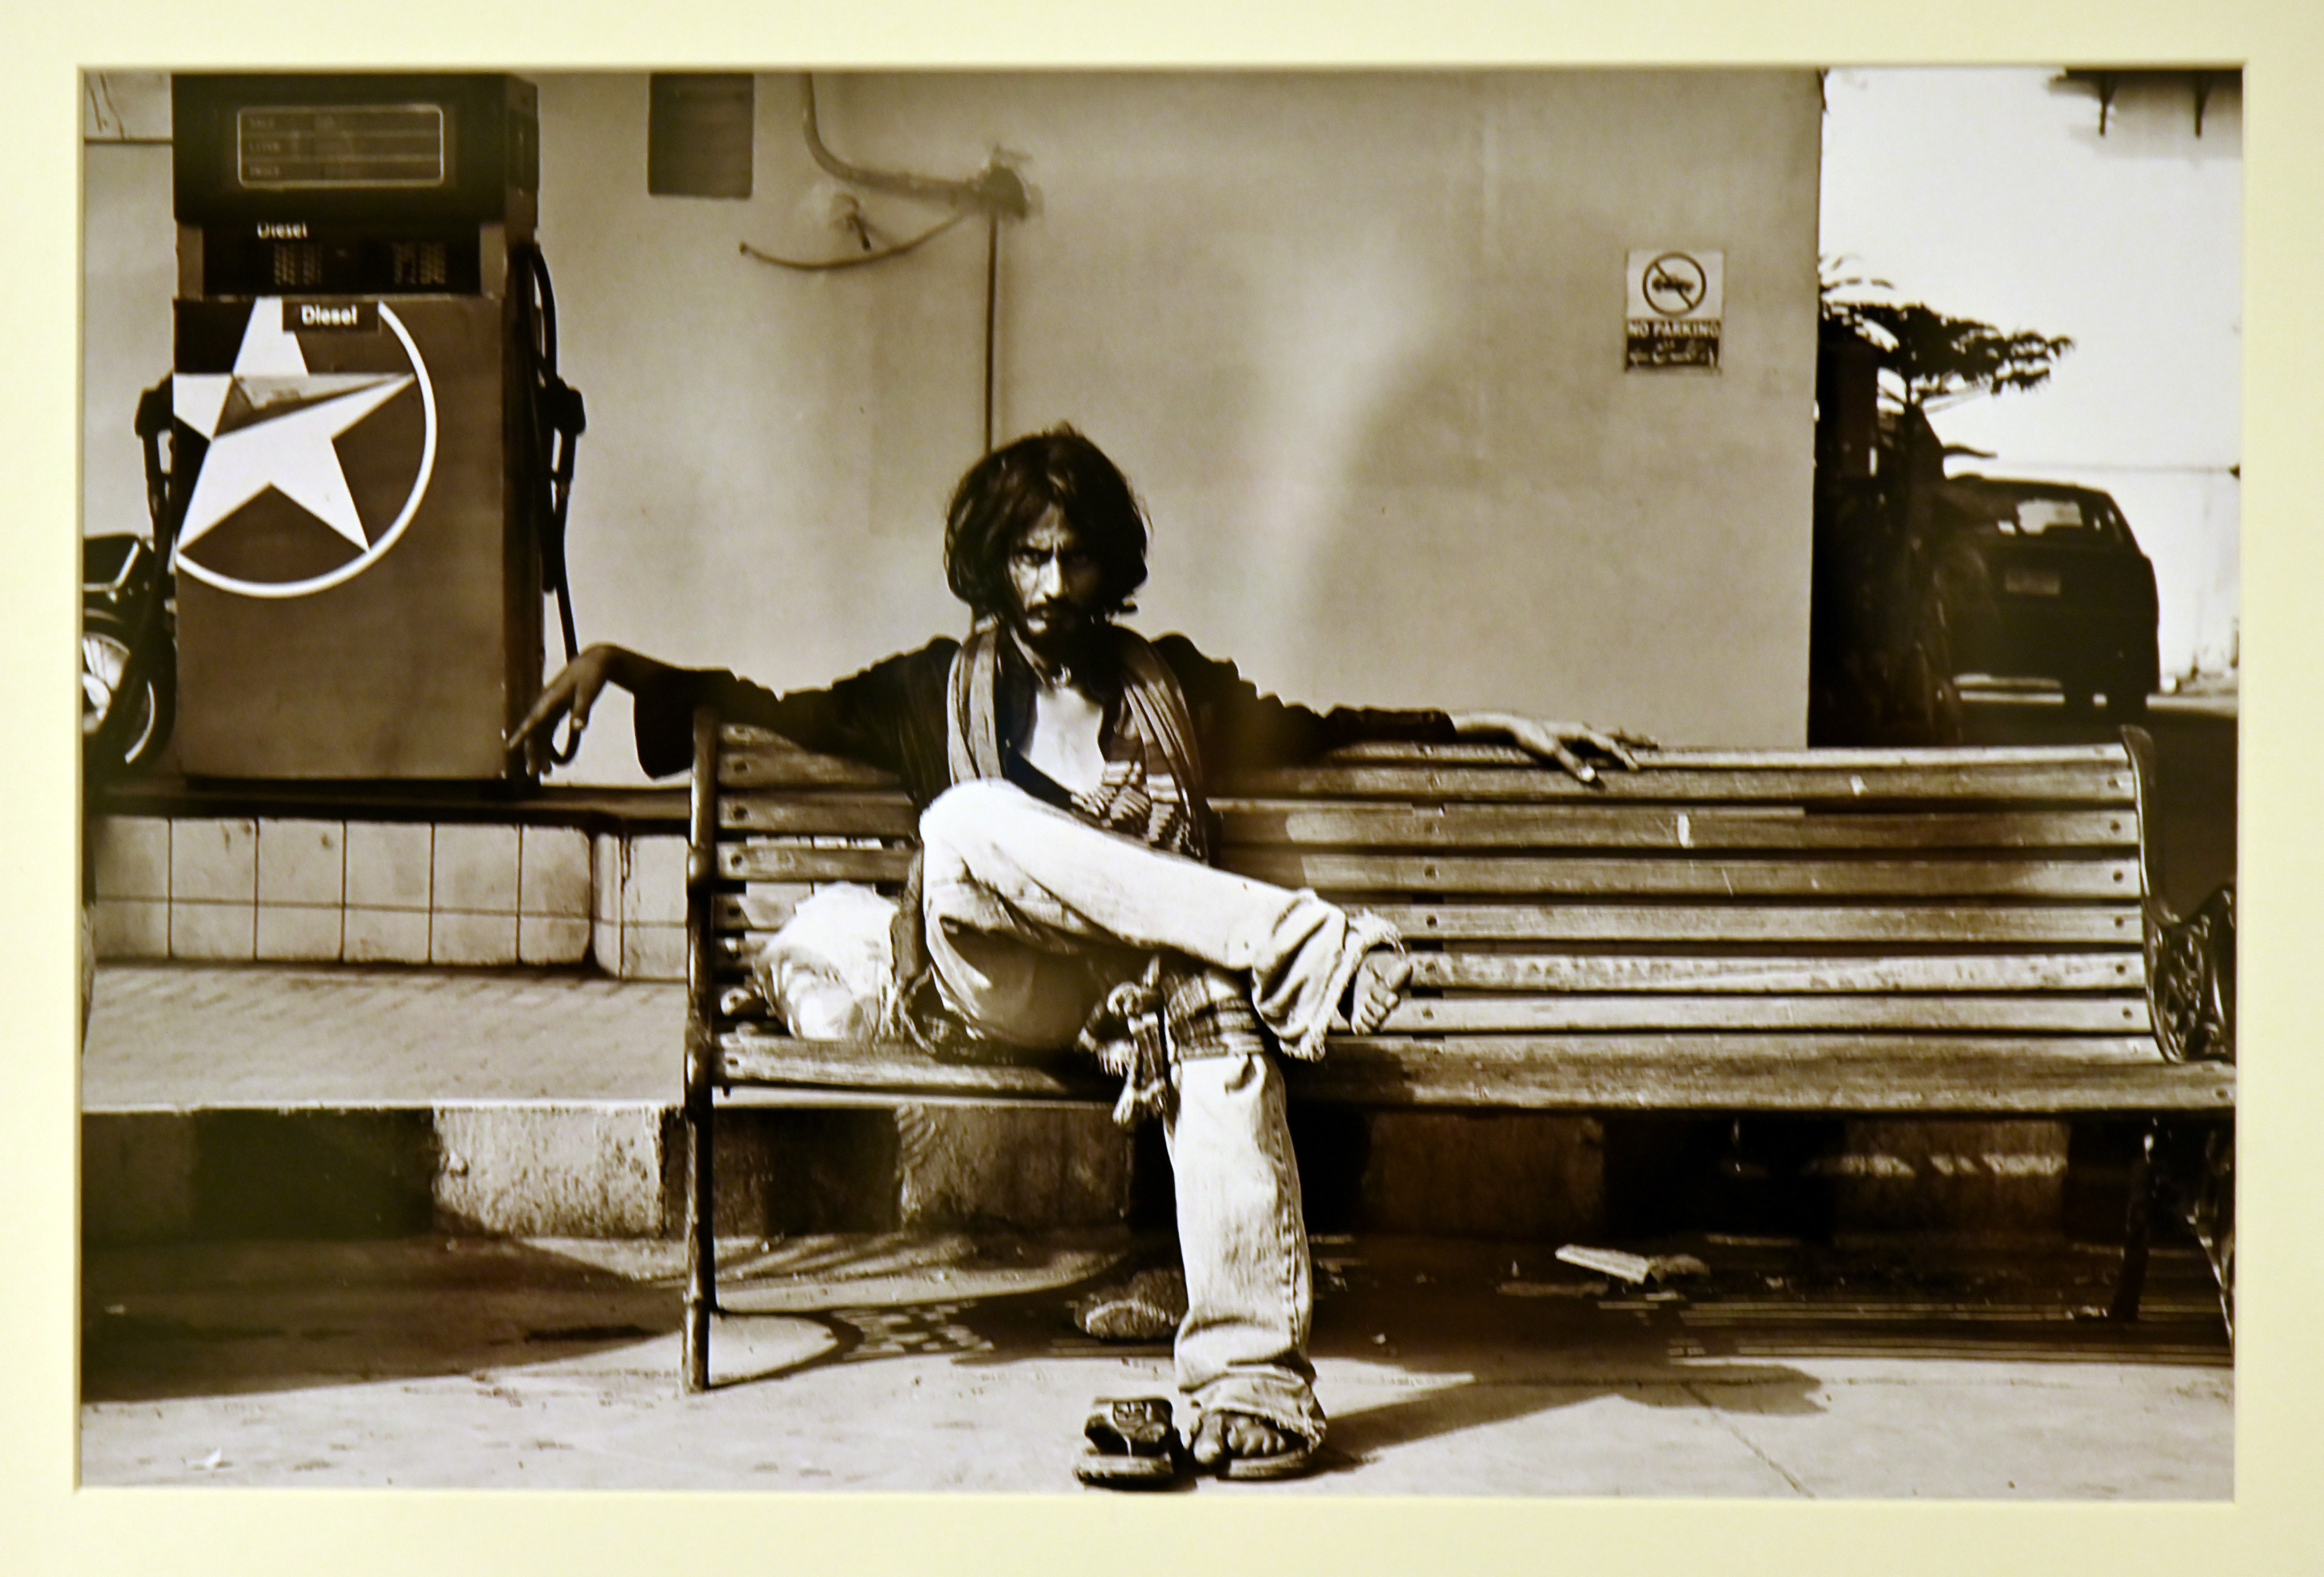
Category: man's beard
<point>1069,643</point>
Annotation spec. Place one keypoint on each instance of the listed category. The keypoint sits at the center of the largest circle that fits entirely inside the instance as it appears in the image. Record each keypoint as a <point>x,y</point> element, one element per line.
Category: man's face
<point>1054,583</point>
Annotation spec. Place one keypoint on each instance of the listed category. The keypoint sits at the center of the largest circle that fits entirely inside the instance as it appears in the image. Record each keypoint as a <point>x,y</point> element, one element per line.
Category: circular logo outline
<point>1702,284</point>
<point>278,590</point>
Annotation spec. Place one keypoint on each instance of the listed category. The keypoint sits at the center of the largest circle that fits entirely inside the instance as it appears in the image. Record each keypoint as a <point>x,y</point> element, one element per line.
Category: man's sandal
<point>1290,1462</point>
<point>1131,1444</point>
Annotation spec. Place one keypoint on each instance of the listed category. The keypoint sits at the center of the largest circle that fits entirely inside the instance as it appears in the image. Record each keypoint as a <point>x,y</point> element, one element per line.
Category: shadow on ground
<point>1468,1335</point>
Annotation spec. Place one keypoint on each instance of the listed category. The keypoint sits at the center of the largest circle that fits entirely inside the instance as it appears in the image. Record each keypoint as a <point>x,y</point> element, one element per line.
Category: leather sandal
<point>1131,1444</point>
<point>1289,1463</point>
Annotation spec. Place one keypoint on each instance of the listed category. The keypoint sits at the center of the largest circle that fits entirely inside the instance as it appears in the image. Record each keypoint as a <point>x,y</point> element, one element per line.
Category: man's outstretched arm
<point>889,716</point>
<point>573,693</point>
<point>1242,728</point>
<point>1569,745</point>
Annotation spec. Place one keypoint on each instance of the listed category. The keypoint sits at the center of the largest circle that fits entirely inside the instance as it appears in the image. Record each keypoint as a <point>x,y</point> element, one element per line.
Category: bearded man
<point>1059,760</point>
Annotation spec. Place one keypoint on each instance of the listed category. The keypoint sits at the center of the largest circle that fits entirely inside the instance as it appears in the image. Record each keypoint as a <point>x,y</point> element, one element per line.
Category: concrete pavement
<point>947,1364</point>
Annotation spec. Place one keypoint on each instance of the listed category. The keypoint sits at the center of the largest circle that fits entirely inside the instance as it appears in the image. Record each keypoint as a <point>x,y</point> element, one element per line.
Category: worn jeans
<point>1032,917</point>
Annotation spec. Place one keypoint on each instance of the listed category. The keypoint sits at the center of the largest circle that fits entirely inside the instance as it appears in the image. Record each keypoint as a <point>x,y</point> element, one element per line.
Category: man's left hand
<point>1577,747</point>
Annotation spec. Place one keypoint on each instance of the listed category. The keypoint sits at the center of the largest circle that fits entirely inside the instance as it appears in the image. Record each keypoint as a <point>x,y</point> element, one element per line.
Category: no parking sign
<point>1676,300</point>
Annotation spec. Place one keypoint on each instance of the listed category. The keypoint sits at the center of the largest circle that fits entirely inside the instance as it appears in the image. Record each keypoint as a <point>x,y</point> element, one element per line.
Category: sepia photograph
<point>1507,782</point>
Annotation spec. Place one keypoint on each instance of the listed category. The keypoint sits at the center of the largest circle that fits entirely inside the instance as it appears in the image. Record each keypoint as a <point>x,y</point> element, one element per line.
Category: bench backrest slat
<point>1790,909</point>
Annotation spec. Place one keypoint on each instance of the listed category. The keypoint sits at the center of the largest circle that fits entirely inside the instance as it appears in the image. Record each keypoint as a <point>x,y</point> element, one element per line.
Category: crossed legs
<point>1032,917</point>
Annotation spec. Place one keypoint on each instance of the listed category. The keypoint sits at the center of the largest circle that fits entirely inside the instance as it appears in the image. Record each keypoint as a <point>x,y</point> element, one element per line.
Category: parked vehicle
<point>2035,580</point>
<point>128,671</point>
<point>128,640</point>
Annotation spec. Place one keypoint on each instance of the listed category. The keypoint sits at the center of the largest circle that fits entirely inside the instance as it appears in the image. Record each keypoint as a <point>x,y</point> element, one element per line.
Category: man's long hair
<point>1007,492</point>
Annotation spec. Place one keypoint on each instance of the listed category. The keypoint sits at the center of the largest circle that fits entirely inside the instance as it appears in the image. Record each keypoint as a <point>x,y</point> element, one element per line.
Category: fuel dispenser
<point>371,448</point>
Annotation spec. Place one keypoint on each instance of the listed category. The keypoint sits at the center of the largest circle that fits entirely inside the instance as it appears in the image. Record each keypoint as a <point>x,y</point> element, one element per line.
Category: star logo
<point>274,429</point>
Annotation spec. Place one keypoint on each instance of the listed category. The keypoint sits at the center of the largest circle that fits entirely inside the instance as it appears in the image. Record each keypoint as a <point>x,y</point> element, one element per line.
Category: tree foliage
<point>1934,359</point>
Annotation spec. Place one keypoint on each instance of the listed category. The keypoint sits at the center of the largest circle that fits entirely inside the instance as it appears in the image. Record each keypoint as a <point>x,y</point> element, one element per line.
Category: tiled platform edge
<point>223,889</point>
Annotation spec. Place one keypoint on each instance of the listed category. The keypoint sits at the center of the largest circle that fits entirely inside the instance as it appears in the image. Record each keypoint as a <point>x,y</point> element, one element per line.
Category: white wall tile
<point>655,892</point>
<point>214,861</point>
<point>606,945</point>
<point>605,878</point>
<point>131,928</point>
<point>132,857</point>
<point>222,932</point>
<point>306,932</point>
<point>653,952</point>
<point>385,936</point>
<point>550,939</point>
<point>476,871</point>
<point>388,866</point>
<point>471,939</point>
<point>553,876</point>
<point>301,862</point>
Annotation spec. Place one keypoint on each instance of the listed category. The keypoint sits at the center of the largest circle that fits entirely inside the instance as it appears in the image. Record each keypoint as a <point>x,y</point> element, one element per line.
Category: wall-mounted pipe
<point>995,188</point>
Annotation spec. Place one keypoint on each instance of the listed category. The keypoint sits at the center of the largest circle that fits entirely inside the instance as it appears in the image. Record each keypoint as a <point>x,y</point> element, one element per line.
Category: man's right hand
<point>571,693</point>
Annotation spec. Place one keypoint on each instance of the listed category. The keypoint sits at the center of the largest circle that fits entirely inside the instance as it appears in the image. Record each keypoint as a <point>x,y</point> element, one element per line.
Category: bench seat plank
<point>1699,926</point>
<point>1572,972</point>
<point>1936,1012</point>
<point>1984,1084</point>
<point>1709,924</point>
<point>1759,1072</point>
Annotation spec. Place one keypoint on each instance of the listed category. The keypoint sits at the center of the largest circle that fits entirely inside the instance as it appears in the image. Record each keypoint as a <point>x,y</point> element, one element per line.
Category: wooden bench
<point>1935,932</point>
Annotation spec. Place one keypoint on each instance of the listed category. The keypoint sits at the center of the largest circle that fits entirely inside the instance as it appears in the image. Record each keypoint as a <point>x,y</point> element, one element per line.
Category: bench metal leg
<point>2138,1229</point>
<point>701,1243</point>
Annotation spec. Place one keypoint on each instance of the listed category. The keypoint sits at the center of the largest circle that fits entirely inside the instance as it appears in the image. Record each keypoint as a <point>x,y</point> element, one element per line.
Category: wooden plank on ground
<point>2120,969</point>
<point>1648,876</point>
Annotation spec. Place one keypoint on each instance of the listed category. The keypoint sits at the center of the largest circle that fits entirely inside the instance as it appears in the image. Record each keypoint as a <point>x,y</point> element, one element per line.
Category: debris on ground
<point>1145,1308</point>
<point>1633,1268</point>
<point>1593,1288</point>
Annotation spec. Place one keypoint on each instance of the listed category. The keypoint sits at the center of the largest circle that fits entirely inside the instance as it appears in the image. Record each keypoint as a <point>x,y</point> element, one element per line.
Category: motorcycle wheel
<point>126,730</point>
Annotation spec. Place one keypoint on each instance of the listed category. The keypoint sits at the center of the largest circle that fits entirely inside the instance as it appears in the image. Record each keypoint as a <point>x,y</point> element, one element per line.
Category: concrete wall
<point>1358,339</point>
<point>129,271</point>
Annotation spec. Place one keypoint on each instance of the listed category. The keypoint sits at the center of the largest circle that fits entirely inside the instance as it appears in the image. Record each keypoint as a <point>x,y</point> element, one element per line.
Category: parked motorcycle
<point>129,640</point>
